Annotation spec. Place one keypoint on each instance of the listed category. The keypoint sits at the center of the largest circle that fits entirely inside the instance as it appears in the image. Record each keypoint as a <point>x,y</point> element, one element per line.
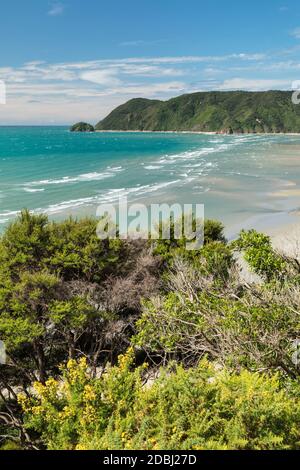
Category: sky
<point>75,60</point>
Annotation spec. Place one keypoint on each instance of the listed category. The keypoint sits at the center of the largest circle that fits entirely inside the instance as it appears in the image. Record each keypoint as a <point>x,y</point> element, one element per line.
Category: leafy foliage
<point>260,255</point>
<point>222,375</point>
<point>200,408</point>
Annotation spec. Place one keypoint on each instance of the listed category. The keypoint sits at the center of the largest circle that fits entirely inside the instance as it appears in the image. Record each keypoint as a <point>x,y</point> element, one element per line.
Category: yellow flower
<point>125,360</point>
<point>89,415</point>
<point>39,388</point>
<point>37,410</point>
<point>51,382</point>
<point>76,369</point>
<point>80,447</point>
<point>71,364</point>
<point>24,402</point>
<point>89,393</point>
<point>67,412</point>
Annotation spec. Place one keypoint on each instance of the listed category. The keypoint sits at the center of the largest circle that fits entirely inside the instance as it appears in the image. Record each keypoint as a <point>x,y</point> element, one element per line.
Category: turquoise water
<point>240,179</point>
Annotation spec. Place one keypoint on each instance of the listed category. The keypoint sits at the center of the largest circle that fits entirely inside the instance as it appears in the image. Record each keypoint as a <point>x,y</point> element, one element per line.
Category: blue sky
<point>69,60</point>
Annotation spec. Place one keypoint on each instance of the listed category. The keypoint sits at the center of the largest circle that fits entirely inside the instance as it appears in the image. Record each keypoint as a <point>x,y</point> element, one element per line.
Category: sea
<point>246,181</point>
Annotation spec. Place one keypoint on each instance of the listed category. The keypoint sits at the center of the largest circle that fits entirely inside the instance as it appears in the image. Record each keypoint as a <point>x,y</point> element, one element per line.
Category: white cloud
<point>39,92</point>
<point>253,84</point>
<point>101,77</point>
<point>151,89</point>
<point>146,70</point>
<point>56,9</point>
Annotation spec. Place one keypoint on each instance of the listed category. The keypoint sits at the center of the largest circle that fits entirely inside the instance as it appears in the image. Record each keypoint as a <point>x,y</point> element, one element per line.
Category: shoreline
<point>291,134</point>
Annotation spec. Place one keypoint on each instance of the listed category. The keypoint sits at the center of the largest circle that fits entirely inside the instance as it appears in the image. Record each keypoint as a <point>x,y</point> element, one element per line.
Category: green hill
<point>228,112</point>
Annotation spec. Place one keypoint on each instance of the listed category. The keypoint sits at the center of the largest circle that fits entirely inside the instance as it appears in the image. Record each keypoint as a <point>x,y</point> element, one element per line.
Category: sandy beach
<point>286,239</point>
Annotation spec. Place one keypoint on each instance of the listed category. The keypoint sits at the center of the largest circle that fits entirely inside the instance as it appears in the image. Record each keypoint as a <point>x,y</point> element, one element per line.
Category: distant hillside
<point>228,112</point>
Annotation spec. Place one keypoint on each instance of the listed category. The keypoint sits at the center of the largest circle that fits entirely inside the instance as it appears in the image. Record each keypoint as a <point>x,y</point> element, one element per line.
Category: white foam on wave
<point>191,155</point>
<point>188,155</point>
<point>152,167</point>
<point>7,215</point>
<point>109,197</point>
<point>93,176</point>
<point>192,164</point>
<point>32,190</point>
<point>114,195</point>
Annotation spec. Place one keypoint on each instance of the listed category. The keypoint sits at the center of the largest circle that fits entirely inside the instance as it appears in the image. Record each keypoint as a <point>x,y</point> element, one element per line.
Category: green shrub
<point>260,255</point>
<point>201,408</point>
<point>171,248</point>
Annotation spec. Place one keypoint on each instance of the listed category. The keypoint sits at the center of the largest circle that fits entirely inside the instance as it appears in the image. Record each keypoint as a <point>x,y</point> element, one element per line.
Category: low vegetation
<point>137,344</point>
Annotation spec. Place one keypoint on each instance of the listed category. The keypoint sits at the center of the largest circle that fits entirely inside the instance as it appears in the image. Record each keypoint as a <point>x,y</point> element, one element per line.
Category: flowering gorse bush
<point>201,408</point>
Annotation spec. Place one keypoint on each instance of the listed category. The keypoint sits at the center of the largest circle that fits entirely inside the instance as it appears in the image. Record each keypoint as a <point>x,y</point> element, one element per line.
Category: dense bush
<point>215,344</point>
<point>56,300</point>
<point>200,408</point>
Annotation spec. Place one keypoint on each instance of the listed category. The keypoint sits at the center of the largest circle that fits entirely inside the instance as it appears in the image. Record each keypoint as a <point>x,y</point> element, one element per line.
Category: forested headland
<point>215,111</point>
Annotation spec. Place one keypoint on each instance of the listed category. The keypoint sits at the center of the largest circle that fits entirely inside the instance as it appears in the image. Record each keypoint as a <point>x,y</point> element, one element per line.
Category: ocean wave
<point>62,206</point>
<point>114,195</point>
<point>7,215</point>
<point>188,155</point>
<point>109,197</point>
<point>191,155</point>
<point>93,176</point>
<point>152,167</point>
<point>34,190</point>
<point>222,145</point>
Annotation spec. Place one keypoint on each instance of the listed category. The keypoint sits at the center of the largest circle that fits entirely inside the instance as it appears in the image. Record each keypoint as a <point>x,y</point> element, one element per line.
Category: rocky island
<point>82,127</point>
